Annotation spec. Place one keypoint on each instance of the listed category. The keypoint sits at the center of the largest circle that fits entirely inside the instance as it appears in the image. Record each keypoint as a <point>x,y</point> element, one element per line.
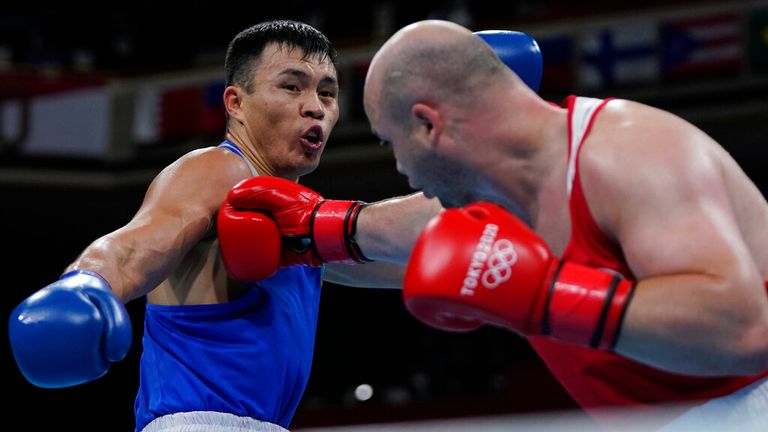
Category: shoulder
<point>213,164</point>
<point>214,155</point>
<point>627,136</point>
<point>202,177</point>
<point>637,155</point>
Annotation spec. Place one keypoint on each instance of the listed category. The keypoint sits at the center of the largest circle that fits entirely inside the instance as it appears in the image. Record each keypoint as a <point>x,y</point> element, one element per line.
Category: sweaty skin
<point>169,251</point>
<point>690,223</point>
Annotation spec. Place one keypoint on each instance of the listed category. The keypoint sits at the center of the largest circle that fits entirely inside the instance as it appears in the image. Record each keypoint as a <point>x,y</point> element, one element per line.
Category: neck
<point>526,156</point>
<point>259,161</point>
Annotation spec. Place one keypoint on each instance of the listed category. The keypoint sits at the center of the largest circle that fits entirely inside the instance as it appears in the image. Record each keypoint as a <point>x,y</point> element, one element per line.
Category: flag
<point>701,46</point>
<point>170,113</point>
<point>181,112</point>
<point>758,39</point>
<point>74,123</point>
<point>146,112</point>
<point>59,114</point>
<point>558,59</point>
<point>214,114</point>
<point>619,54</point>
<point>194,110</point>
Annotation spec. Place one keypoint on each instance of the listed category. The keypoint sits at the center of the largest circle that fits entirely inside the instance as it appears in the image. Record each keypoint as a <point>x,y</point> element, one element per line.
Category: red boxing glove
<point>481,265</point>
<point>249,243</point>
<point>315,230</point>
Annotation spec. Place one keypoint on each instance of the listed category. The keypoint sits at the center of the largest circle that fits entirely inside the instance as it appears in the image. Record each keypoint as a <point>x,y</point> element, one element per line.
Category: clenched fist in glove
<point>69,332</point>
<point>481,265</point>
<point>314,230</point>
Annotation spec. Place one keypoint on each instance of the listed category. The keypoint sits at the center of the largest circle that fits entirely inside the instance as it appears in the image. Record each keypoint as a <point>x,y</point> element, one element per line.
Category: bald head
<point>429,61</point>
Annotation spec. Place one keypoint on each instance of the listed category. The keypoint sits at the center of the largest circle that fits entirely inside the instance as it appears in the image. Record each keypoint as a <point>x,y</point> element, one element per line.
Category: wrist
<point>586,305</point>
<point>334,225</point>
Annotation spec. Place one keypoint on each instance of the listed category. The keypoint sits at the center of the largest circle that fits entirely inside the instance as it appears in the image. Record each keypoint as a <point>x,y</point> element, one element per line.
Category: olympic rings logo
<point>502,257</point>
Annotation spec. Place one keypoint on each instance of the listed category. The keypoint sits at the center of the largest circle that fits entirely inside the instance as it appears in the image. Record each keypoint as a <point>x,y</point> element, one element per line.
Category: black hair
<point>247,46</point>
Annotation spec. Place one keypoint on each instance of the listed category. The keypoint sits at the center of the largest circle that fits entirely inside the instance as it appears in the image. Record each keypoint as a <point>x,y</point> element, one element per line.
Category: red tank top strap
<point>588,244</point>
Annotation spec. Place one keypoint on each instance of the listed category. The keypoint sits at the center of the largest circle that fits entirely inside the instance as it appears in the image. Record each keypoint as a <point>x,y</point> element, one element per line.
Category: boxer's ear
<point>429,124</point>
<point>233,99</point>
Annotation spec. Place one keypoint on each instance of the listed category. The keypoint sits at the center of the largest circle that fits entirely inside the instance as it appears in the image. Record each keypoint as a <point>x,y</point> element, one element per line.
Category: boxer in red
<point>625,244</point>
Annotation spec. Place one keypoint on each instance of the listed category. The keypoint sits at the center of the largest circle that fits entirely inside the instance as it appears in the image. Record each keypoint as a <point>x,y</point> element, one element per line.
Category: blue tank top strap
<point>229,145</point>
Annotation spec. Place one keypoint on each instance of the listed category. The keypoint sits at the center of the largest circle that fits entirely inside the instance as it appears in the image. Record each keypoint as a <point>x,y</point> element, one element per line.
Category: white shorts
<point>209,421</point>
<point>745,410</point>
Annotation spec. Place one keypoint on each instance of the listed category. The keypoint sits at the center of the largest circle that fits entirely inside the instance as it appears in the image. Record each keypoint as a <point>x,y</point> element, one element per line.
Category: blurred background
<point>95,100</point>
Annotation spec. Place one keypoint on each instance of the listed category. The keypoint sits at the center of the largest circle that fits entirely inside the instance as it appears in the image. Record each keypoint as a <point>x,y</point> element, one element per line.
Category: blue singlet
<point>249,357</point>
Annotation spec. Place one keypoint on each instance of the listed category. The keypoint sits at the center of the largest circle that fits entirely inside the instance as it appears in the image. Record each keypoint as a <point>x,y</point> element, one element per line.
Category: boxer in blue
<point>216,353</point>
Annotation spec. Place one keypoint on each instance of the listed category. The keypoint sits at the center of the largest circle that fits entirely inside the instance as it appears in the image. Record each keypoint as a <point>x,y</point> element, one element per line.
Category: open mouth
<point>312,139</point>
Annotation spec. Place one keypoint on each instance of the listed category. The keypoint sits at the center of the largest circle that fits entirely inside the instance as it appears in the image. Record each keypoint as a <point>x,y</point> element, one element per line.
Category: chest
<point>554,225</point>
<point>199,278</point>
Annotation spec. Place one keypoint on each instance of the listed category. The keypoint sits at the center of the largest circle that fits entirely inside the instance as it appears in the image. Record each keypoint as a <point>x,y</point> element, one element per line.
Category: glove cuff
<point>333,228</point>
<point>76,272</point>
<point>586,305</point>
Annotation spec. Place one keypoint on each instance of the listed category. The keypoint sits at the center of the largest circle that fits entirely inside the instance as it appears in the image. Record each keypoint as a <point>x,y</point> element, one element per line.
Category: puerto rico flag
<point>705,45</point>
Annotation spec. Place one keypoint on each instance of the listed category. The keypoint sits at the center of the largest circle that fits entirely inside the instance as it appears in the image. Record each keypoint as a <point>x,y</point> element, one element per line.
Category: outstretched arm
<point>176,213</point>
<point>360,244</point>
<point>386,232</point>
<point>85,308</point>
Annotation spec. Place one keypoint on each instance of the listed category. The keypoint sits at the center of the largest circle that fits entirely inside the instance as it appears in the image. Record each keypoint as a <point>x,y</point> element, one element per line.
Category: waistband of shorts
<point>205,421</point>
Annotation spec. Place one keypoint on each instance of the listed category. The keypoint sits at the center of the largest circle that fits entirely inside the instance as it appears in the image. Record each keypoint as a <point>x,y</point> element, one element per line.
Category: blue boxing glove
<point>519,51</point>
<point>69,332</point>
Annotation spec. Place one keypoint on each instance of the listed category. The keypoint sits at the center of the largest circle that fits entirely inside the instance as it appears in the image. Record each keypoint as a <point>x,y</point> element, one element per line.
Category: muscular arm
<point>386,232</point>
<point>700,305</point>
<point>177,212</point>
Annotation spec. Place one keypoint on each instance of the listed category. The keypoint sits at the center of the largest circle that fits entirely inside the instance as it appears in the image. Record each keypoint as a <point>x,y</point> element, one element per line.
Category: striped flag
<point>623,53</point>
<point>702,46</point>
